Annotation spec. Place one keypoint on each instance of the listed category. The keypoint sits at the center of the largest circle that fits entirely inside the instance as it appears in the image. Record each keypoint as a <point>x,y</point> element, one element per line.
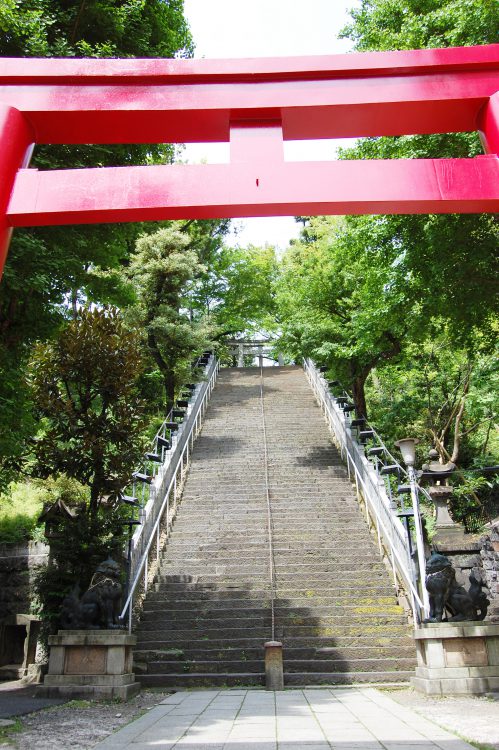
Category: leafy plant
<point>84,387</point>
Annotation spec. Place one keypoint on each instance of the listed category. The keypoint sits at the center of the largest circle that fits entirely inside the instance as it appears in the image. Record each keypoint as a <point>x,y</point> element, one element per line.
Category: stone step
<point>155,602</point>
<point>284,550</point>
<point>309,621</point>
<point>352,653</point>
<point>347,678</point>
<point>155,632</point>
<point>283,583</point>
<point>290,666</point>
<point>282,558</point>
<point>151,640</point>
<point>258,530</point>
<point>322,590</point>
<point>206,617</point>
<point>243,679</point>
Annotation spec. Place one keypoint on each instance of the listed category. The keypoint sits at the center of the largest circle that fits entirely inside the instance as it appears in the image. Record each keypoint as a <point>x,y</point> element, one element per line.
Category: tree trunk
<point>359,395</point>
<point>169,383</point>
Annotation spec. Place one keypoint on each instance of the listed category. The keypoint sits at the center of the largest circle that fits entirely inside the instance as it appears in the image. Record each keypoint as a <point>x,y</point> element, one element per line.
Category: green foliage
<point>93,28</point>
<point>421,396</point>
<point>49,267</point>
<point>365,294</point>
<point>339,307</point>
<point>237,291</point>
<point>84,387</point>
<point>81,545</point>
<point>412,24</point>
<point>161,270</point>
<point>20,508</point>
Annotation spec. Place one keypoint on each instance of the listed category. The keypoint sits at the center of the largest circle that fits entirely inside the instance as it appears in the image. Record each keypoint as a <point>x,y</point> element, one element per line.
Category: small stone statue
<point>99,606</point>
<point>446,594</point>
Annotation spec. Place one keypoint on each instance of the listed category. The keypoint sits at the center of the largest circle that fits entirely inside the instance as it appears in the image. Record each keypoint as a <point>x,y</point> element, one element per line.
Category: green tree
<point>84,388</point>
<point>414,269</point>
<point>237,291</point>
<point>161,270</point>
<point>48,268</point>
<point>93,28</point>
<point>412,24</point>
<point>442,394</point>
<point>339,307</point>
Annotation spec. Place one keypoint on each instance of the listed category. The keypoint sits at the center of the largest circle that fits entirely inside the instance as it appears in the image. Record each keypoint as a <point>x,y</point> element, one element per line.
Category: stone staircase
<point>208,614</point>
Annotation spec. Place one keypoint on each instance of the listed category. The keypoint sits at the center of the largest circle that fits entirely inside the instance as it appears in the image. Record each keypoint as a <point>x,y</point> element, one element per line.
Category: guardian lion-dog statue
<point>446,594</point>
<point>99,606</point>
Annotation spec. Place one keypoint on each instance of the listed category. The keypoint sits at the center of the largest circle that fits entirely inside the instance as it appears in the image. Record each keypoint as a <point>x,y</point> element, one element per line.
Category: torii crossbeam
<point>256,105</point>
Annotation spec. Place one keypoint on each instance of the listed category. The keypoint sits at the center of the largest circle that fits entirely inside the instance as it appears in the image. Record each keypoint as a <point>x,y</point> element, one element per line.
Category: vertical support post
<point>274,676</point>
<point>488,125</point>
<point>240,355</point>
<point>16,139</point>
<point>419,540</point>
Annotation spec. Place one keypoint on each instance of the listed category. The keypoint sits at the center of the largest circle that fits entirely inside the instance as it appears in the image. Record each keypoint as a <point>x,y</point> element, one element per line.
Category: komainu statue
<point>446,594</point>
<point>99,606</point>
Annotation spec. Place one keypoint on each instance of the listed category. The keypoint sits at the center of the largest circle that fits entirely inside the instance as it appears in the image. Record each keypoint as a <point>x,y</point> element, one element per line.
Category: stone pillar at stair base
<point>274,677</point>
<point>457,658</point>
<point>93,664</point>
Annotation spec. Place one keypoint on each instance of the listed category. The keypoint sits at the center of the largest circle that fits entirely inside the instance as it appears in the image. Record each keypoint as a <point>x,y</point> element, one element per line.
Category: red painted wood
<point>250,189</point>
<point>255,104</point>
<point>368,94</point>
<point>334,108</point>
<point>488,125</point>
<point>91,70</point>
<point>15,140</point>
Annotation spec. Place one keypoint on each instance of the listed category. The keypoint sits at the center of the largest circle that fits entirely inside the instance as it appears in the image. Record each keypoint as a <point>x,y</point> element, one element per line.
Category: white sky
<point>266,28</point>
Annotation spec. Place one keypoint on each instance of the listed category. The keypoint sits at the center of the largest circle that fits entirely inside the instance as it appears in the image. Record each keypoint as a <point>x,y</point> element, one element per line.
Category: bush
<point>20,508</point>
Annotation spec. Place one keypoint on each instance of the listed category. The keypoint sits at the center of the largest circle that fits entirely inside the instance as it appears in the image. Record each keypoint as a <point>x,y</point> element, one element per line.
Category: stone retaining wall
<point>18,563</point>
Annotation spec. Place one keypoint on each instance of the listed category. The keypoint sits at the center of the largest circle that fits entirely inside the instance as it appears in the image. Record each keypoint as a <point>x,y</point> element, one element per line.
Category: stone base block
<point>457,658</point>
<point>89,692</point>
<point>90,664</point>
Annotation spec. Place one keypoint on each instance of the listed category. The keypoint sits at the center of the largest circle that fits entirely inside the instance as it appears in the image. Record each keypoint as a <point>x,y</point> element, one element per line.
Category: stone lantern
<point>436,476</point>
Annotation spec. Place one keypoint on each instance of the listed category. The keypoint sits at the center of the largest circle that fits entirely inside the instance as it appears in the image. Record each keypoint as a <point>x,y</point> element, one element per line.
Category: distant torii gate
<point>255,104</point>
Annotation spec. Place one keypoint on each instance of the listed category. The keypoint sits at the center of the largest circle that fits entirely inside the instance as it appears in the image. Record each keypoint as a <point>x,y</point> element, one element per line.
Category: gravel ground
<point>78,725</point>
<point>82,724</point>
<point>474,719</point>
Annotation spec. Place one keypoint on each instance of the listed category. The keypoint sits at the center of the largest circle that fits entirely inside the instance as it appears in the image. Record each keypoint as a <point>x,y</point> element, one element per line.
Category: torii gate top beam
<point>157,101</point>
<point>256,105</point>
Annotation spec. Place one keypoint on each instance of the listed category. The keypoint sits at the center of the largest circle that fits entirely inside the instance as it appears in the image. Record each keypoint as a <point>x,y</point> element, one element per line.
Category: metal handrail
<point>163,486</point>
<point>389,528</point>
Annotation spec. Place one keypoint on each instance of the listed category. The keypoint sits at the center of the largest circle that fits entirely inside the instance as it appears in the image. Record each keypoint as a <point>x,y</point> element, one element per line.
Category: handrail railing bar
<point>403,567</point>
<point>173,482</point>
<point>143,562</point>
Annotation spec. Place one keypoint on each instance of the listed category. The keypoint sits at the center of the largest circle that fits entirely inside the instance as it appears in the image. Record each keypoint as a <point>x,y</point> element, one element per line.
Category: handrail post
<point>419,539</point>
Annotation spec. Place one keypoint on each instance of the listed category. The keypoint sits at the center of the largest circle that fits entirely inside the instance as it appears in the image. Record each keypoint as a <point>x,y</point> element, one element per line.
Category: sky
<point>266,28</point>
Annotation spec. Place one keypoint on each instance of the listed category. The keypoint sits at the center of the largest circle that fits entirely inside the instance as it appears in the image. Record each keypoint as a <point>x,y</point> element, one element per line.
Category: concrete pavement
<point>299,719</point>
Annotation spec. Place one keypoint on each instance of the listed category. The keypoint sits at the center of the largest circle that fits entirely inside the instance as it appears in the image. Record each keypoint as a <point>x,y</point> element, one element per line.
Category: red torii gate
<point>255,104</point>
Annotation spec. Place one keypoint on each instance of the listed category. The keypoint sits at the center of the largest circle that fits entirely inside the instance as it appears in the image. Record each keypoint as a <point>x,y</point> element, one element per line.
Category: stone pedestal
<point>93,664</point>
<point>447,531</point>
<point>457,658</point>
<point>274,675</point>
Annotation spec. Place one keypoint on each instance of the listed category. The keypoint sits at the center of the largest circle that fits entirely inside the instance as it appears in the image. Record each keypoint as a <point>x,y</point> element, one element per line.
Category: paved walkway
<point>308,719</point>
<point>17,698</point>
